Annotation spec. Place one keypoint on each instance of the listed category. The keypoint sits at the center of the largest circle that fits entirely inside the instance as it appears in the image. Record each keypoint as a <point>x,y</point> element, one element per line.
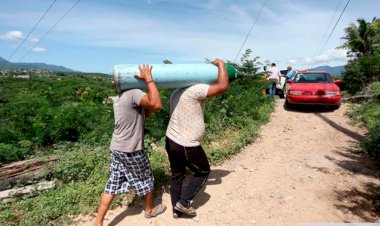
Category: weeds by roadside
<point>369,114</point>
<point>233,120</point>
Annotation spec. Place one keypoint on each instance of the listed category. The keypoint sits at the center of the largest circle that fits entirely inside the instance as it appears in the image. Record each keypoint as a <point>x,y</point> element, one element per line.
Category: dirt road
<point>304,168</point>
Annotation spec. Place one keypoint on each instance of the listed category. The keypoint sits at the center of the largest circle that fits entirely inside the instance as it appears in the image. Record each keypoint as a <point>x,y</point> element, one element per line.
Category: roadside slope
<point>305,167</point>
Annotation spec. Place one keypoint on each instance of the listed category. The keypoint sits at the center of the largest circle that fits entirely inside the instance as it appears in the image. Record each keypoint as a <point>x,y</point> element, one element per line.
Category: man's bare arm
<point>152,101</point>
<point>221,84</point>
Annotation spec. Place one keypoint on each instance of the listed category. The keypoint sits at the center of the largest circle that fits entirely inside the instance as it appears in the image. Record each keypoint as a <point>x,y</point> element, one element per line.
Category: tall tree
<point>363,44</point>
<point>363,38</point>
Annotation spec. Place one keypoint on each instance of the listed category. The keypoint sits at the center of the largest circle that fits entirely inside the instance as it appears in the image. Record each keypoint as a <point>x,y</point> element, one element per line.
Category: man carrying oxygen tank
<point>185,130</point>
<point>130,167</point>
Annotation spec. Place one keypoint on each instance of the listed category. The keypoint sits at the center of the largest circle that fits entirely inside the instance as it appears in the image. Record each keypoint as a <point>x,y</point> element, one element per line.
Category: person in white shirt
<point>273,77</point>
<point>185,130</point>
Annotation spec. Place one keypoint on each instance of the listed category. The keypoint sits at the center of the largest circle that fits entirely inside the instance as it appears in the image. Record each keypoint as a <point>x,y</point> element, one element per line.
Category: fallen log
<point>23,172</point>
<point>358,98</point>
<point>8,195</point>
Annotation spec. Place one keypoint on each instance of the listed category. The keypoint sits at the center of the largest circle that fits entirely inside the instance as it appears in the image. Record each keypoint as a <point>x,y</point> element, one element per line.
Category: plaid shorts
<point>130,170</point>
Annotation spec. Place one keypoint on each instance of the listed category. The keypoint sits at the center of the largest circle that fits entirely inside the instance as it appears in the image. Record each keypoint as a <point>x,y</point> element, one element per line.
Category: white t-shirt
<point>186,126</point>
<point>274,73</point>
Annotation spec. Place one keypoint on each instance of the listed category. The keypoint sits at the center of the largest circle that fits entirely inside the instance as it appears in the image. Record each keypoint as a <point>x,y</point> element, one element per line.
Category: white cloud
<point>33,39</point>
<point>308,60</point>
<point>16,36</point>
<point>175,37</point>
<point>331,55</point>
<point>38,49</point>
<point>292,61</point>
<point>12,35</point>
<point>205,35</point>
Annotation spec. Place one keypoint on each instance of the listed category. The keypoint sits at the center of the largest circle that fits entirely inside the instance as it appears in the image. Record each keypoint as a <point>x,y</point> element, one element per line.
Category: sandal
<point>155,211</point>
<point>186,210</point>
<point>176,214</point>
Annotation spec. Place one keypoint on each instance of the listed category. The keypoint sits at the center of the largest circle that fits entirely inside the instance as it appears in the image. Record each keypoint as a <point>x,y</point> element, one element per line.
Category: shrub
<point>10,153</point>
<point>371,143</point>
<point>369,114</point>
<point>361,72</point>
<point>232,120</point>
<point>47,111</point>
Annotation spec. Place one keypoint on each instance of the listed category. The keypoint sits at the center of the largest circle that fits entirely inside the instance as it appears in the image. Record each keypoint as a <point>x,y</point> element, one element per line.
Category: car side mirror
<point>338,82</point>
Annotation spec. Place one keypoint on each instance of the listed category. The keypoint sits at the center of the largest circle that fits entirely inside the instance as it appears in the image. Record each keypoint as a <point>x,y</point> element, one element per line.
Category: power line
<point>328,27</point>
<point>254,22</point>
<point>30,32</point>
<point>60,19</point>
<point>334,26</point>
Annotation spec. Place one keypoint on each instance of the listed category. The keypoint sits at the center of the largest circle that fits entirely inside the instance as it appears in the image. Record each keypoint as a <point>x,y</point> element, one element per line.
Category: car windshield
<point>312,78</point>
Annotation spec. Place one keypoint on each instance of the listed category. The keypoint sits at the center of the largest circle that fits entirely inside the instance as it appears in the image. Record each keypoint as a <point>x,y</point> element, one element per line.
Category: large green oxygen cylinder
<point>169,75</point>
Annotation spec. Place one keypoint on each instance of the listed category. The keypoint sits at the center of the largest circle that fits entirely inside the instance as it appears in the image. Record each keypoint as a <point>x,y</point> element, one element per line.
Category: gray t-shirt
<point>186,126</point>
<point>128,135</point>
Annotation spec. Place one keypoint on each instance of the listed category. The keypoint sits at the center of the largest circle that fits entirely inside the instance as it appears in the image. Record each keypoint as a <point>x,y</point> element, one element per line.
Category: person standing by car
<point>273,77</point>
<point>289,75</point>
<point>185,130</point>
<point>130,167</point>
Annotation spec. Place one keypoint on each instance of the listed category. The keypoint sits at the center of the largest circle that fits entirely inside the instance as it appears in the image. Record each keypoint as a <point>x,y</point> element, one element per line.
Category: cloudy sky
<point>97,34</point>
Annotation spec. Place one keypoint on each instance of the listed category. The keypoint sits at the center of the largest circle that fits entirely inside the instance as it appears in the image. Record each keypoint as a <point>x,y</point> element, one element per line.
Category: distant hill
<point>332,70</point>
<point>42,66</point>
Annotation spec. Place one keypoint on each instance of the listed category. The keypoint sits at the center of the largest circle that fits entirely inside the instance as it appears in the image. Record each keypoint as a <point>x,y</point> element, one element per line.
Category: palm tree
<point>362,39</point>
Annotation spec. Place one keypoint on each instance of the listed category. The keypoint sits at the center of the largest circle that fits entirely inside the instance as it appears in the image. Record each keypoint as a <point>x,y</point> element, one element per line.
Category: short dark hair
<point>273,64</point>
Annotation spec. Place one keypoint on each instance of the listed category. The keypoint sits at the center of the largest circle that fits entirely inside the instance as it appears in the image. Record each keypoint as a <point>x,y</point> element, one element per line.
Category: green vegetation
<point>362,74</point>
<point>69,116</point>
<point>247,66</point>
<point>363,45</point>
<point>369,114</point>
<point>40,112</point>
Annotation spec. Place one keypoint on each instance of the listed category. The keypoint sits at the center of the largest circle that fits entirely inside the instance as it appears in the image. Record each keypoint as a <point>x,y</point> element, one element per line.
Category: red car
<point>313,88</point>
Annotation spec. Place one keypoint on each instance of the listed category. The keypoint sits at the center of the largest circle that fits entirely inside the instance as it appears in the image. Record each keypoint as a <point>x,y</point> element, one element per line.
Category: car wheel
<point>288,105</point>
<point>336,107</point>
<point>281,94</point>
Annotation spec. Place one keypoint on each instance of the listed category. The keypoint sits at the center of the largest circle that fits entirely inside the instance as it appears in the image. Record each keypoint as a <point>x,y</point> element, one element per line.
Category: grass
<point>369,115</point>
<point>233,120</point>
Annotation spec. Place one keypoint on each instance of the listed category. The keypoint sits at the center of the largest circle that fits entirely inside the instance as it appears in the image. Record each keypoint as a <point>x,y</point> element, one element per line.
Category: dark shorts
<point>130,170</point>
